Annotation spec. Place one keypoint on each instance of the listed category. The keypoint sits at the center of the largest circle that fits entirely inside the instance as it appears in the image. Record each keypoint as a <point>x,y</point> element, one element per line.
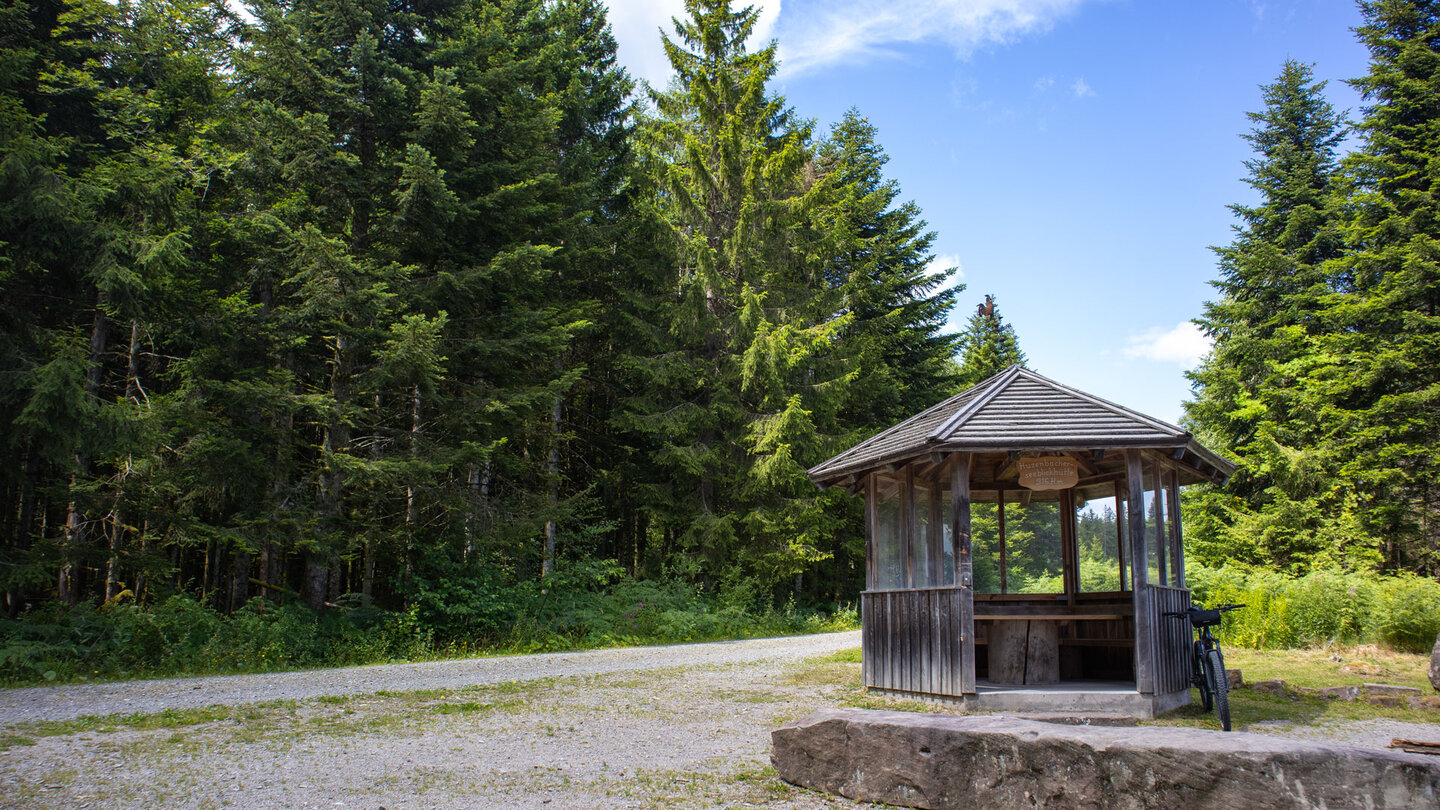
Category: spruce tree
<point>738,392</point>
<point>988,346</point>
<point>898,306</point>
<point>1254,395</point>
<point>1382,384</point>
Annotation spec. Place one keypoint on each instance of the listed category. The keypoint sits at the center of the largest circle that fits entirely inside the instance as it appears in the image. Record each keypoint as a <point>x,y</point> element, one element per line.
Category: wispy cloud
<point>944,262</point>
<point>1082,88</point>
<point>820,33</point>
<point>1044,83</point>
<point>637,25</point>
<point>1184,344</point>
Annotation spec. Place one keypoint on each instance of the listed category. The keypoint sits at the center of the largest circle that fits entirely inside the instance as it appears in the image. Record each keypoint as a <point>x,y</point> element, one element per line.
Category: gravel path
<point>68,702</point>
<point>658,727</point>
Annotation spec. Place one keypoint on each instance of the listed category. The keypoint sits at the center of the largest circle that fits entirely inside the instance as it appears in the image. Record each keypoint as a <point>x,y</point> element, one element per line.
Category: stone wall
<point>942,761</point>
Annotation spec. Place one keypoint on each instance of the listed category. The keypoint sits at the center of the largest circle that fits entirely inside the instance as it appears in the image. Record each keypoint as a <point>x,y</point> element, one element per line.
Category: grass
<point>1309,668</point>
<point>1332,666</point>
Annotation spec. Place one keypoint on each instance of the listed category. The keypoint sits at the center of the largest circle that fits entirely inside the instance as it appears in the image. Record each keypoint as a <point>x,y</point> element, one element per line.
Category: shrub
<point>1407,613</point>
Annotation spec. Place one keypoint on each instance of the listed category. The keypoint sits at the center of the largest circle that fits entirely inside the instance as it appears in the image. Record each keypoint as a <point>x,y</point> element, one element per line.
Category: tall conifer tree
<point>751,319</point>
<point>988,345</point>
<point>1383,390</point>
<point>1255,397</point>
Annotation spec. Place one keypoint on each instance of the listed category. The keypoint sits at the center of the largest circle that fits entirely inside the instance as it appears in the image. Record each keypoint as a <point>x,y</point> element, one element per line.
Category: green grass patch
<point>1332,666</point>
<point>8,741</point>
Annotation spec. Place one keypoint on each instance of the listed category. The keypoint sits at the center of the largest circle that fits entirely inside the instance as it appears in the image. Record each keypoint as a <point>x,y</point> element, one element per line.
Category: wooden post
<point>1000,535</point>
<point>964,568</point>
<point>1069,548</point>
<point>1144,629</point>
<point>1162,536</point>
<point>1176,539</point>
<point>1120,532</point>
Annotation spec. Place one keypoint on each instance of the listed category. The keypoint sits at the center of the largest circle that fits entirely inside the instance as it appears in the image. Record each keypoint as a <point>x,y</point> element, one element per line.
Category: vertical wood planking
<point>1144,618</point>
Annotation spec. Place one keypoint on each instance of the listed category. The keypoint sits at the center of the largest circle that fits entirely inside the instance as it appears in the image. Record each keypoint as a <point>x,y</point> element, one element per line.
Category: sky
<point>1075,158</point>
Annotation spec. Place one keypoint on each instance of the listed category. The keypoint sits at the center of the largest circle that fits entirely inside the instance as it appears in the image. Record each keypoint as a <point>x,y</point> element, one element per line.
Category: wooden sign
<point>1048,472</point>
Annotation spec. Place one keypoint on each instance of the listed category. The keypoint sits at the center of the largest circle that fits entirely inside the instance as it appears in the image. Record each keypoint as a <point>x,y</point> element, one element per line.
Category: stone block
<point>1388,701</point>
<point>1234,678</point>
<point>1435,664</point>
<point>999,763</point>
<point>1425,702</point>
<point>1275,687</point>
<point>1374,689</point>
<point>1347,693</point>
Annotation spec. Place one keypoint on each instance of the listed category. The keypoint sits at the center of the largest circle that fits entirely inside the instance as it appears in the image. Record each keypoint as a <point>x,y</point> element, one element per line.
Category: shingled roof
<point>1016,409</point>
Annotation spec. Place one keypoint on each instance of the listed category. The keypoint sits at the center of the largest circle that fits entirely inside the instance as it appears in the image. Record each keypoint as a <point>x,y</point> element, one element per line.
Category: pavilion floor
<point>1065,697</point>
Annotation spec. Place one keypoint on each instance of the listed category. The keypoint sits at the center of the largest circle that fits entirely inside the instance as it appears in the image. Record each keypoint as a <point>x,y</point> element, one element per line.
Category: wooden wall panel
<point>912,640</point>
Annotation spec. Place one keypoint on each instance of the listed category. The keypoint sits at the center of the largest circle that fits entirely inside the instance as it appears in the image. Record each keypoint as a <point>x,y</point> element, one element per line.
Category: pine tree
<point>988,346</point>
<point>1382,384</point>
<point>736,397</point>
<point>1255,397</point>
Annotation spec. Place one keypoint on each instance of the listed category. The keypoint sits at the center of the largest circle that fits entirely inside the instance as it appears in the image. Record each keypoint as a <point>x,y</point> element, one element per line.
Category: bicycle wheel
<point>1199,678</point>
<point>1220,685</point>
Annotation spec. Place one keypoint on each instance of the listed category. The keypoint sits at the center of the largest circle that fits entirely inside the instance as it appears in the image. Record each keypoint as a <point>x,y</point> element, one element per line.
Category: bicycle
<point>1207,662</point>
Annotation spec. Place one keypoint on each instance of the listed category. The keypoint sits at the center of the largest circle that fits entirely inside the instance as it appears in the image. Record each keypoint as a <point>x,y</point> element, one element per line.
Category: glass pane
<point>1154,524</point>
<point>920,537</point>
<point>985,546</point>
<point>947,536</point>
<point>1096,535</point>
<point>889,545</point>
<point>1033,556</point>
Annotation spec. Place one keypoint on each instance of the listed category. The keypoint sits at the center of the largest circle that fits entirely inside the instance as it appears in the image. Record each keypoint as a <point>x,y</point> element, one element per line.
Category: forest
<point>337,331</point>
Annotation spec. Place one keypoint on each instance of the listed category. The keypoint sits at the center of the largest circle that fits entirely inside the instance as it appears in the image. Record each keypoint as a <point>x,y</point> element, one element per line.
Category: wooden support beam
<point>1000,537</point>
<point>965,571</point>
<point>1083,462</point>
<point>1069,552</point>
<point>1144,621</point>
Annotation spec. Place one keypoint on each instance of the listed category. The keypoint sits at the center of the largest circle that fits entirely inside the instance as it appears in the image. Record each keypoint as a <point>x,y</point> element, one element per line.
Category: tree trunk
<point>332,481</point>
<point>552,465</point>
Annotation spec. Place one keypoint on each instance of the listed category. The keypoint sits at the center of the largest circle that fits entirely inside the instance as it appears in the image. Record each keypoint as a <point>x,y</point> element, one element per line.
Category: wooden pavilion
<point>1023,539</point>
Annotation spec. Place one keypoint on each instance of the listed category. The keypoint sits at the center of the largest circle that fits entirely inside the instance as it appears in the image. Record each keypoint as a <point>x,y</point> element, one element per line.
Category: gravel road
<point>657,727</point>
<point>68,702</point>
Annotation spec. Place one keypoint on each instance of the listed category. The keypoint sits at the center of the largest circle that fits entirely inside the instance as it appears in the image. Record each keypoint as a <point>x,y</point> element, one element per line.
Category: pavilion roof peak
<point>1016,409</point>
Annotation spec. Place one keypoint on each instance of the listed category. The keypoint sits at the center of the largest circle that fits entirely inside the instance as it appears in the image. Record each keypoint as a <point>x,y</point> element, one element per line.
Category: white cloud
<point>1044,83</point>
<point>637,25</point>
<point>944,262</point>
<point>1184,344</point>
<point>826,32</point>
<point>1082,88</point>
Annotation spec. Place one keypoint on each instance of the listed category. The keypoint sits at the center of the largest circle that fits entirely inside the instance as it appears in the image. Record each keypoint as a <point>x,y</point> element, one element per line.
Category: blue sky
<point>1075,158</point>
